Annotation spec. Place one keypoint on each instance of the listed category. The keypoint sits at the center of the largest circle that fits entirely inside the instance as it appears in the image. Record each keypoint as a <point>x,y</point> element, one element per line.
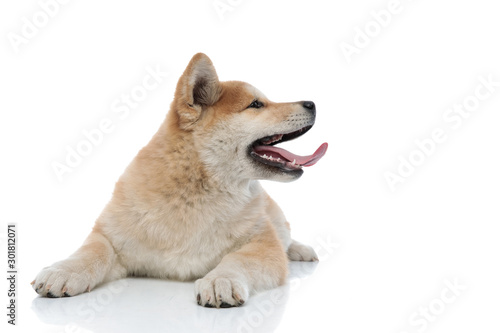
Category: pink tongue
<point>285,154</point>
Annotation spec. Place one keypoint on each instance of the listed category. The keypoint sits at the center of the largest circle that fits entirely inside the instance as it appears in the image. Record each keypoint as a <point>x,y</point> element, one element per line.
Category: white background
<point>385,254</point>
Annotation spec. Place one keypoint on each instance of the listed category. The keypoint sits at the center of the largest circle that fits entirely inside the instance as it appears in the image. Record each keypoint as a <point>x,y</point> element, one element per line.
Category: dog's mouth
<point>265,152</point>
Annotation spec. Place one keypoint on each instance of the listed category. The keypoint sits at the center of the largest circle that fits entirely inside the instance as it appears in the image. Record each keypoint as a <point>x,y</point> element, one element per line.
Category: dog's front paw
<point>61,280</point>
<point>220,292</point>
<point>300,252</point>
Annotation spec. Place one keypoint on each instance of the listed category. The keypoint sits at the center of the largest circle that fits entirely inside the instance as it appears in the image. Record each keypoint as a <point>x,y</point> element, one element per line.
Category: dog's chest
<point>186,241</point>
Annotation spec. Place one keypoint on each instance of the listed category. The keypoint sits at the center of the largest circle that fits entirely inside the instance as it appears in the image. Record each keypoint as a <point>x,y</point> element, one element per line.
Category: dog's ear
<point>197,88</point>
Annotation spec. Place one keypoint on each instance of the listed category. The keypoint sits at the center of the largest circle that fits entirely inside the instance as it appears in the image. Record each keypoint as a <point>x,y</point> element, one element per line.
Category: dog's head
<point>235,127</point>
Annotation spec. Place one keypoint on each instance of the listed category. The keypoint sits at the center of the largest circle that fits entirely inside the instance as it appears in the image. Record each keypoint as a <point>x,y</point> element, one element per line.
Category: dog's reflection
<point>148,305</point>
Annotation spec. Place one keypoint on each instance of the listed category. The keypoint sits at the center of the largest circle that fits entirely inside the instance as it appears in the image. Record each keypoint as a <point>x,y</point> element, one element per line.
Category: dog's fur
<point>190,206</point>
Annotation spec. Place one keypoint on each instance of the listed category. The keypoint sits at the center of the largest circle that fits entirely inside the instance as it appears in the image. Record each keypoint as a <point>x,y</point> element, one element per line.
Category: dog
<point>190,205</point>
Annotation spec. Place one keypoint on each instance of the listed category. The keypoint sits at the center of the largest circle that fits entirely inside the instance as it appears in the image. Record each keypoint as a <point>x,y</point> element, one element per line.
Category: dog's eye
<point>256,104</point>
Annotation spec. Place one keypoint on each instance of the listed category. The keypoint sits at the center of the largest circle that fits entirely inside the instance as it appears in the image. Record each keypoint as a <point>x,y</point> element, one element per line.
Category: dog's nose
<point>310,106</point>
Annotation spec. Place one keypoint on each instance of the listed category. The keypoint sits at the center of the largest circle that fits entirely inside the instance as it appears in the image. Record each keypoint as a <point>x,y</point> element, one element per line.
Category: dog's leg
<point>296,251</point>
<point>258,265</point>
<point>93,263</point>
<point>301,252</point>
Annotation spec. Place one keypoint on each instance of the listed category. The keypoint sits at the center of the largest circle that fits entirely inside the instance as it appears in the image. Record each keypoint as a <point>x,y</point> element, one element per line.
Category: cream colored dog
<point>190,206</point>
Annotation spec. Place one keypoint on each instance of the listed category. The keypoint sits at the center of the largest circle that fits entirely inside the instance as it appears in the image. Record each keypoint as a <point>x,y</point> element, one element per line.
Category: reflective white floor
<point>136,305</point>
<point>351,289</point>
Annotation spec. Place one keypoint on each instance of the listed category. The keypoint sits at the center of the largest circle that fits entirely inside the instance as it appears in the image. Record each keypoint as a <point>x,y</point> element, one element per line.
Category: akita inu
<point>190,206</point>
